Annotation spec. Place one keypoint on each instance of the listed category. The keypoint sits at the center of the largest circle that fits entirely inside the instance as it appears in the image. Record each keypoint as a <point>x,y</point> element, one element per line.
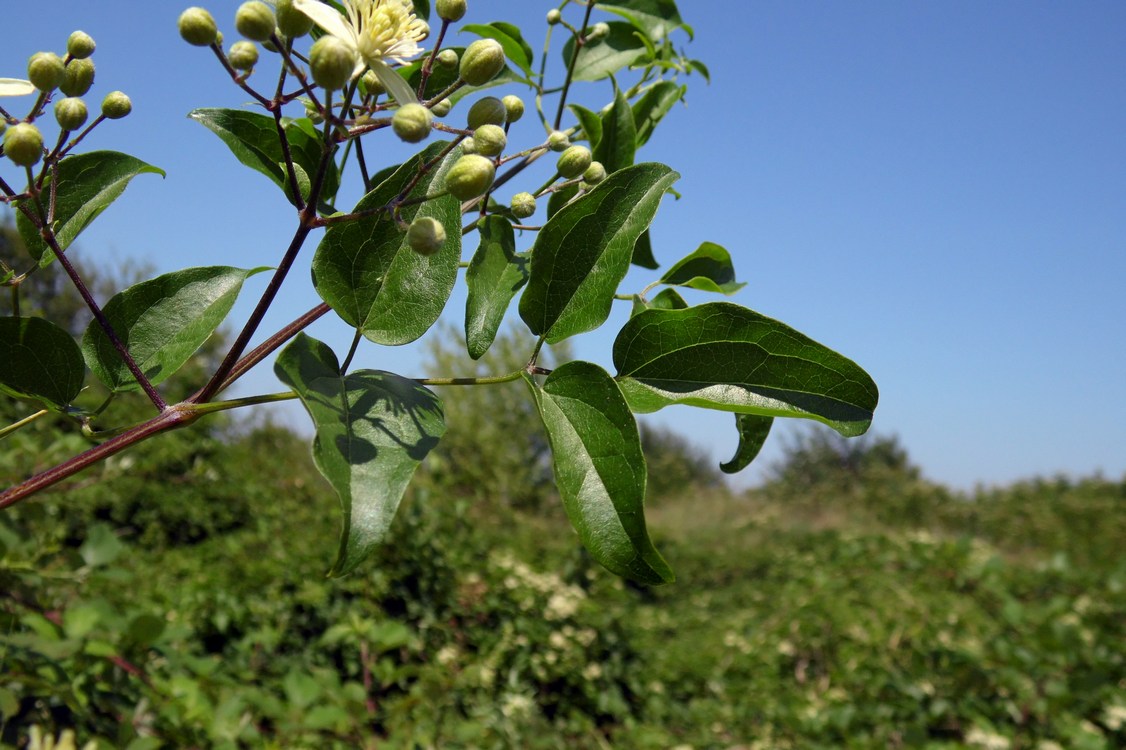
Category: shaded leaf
<point>591,124</point>
<point>373,429</point>
<point>39,360</point>
<point>162,323</point>
<point>708,269</point>
<point>88,184</point>
<point>618,144</point>
<point>642,255</point>
<point>584,250</point>
<point>621,48</point>
<point>495,274</point>
<point>753,431</point>
<point>723,356</point>
<point>600,468</point>
<point>667,299</point>
<point>367,272</point>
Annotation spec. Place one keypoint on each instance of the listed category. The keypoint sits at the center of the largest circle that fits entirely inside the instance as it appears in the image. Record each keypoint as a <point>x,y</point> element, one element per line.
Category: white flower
<point>379,32</point>
<point>15,87</point>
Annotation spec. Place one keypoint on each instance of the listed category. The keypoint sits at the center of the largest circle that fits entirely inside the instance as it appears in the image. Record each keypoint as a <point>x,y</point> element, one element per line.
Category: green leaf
<point>657,18</point>
<point>88,184</point>
<point>373,429</point>
<point>591,124</point>
<point>708,269</point>
<point>620,49</point>
<point>162,323</point>
<point>584,250</point>
<point>253,139</point>
<point>667,299</point>
<point>652,107</point>
<point>367,272</point>
<point>723,356</point>
<point>618,144</point>
<point>422,9</point>
<point>511,40</point>
<point>599,468</point>
<point>101,546</point>
<point>442,78</point>
<point>642,255</point>
<point>39,360</point>
<point>753,431</point>
<point>494,276</point>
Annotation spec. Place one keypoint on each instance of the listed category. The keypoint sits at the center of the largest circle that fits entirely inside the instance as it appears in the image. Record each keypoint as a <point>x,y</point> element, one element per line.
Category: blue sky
<point>937,190</point>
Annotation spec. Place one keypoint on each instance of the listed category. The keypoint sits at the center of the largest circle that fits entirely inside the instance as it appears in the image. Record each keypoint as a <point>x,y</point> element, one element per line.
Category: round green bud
<point>331,62</point>
<point>3,125</point>
<point>198,27</point>
<point>116,105</point>
<point>71,113</point>
<point>573,162</point>
<point>292,23</point>
<point>523,205</point>
<point>243,55</point>
<point>470,177</point>
<point>487,111</point>
<point>450,10</point>
<point>372,85</point>
<point>255,20</point>
<point>426,235</point>
<point>80,45</point>
<point>442,108</point>
<point>554,16</point>
<point>78,78</point>
<point>482,61</point>
<point>557,140</point>
<point>513,108</point>
<point>490,140</point>
<point>447,59</point>
<point>595,173</point>
<point>45,70</point>
<point>468,146</point>
<point>598,32</point>
<point>23,144</point>
<point>411,122</point>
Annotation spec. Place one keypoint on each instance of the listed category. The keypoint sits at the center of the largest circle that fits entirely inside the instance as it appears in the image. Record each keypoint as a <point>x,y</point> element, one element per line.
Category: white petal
<point>393,82</point>
<point>15,87</point>
<point>327,18</point>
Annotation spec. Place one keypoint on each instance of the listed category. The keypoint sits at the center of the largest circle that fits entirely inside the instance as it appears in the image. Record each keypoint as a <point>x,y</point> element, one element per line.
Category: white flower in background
<point>15,87</point>
<point>379,32</point>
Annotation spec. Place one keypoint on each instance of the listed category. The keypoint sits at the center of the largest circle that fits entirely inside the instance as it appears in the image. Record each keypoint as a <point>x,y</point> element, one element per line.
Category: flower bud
<point>255,20</point>
<point>411,122</point>
<point>442,108</point>
<point>490,140</point>
<point>450,10</point>
<point>198,27</point>
<point>426,235</point>
<point>447,59</point>
<point>468,146</point>
<point>595,173</point>
<point>331,62</point>
<point>45,70</point>
<point>292,23</point>
<point>78,78</point>
<point>523,205</point>
<point>372,85</point>
<point>71,113</point>
<point>598,32</point>
<point>470,177</point>
<point>116,105</point>
<point>487,111</point>
<point>23,144</point>
<point>513,108</point>
<point>554,16</point>
<point>482,61</point>
<point>574,161</point>
<point>557,140</point>
<point>243,55</point>
<point>80,45</point>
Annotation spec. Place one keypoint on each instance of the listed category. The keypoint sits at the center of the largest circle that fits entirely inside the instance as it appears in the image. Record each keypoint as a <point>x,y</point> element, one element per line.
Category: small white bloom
<point>379,31</point>
<point>15,87</point>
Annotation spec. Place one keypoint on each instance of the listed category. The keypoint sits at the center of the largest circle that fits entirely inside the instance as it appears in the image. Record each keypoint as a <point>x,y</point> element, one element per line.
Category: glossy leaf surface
<point>708,269</point>
<point>88,184</point>
<point>584,251</point>
<point>495,275</point>
<point>39,360</point>
<point>723,356</point>
<point>367,272</point>
<point>373,429</point>
<point>162,323</point>
<point>753,431</point>
<point>600,469</point>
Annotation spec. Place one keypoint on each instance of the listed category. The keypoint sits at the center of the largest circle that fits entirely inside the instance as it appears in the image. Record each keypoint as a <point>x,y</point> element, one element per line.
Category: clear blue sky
<point>937,190</point>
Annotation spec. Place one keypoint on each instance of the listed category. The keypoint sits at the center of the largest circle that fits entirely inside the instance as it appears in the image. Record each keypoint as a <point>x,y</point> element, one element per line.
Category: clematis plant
<point>386,267</point>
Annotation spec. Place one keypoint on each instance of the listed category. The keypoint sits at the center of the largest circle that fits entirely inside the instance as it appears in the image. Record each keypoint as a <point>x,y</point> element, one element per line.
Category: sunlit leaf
<point>620,49</point>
